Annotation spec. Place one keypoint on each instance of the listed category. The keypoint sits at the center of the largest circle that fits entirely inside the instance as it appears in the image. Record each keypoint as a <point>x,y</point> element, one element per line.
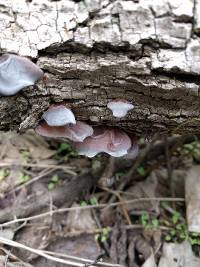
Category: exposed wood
<point>92,51</point>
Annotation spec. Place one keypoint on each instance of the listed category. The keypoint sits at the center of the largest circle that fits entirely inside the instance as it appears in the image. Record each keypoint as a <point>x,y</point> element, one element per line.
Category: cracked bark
<point>92,51</point>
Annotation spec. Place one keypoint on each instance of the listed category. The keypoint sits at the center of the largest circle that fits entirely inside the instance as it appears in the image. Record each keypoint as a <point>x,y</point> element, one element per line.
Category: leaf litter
<point>40,175</point>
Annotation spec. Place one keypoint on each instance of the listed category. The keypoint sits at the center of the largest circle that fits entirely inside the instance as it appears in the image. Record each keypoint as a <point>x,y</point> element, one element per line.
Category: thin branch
<point>34,217</point>
<point>47,255</point>
<point>39,166</point>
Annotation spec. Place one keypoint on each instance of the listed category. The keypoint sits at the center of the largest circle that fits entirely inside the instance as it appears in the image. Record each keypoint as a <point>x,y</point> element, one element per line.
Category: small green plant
<point>142,141</point>
<point>65,150</point>
<point>23,178</point>
<point>179,230</point>
<point>104,235</point>
<point>194,238</point>
<point>145,219</point>
<point>83,203</point>
<point>149,222</point>
<point>176,217</point>
<point>26,155</point>
<point>141,171</point>
<point>55,179</point>
<point>91,201</point>
<point>191,149</point>
<point>4,173</point>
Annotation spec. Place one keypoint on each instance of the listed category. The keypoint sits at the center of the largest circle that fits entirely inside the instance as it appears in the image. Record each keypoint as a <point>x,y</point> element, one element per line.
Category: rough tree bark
<point>95,50</point>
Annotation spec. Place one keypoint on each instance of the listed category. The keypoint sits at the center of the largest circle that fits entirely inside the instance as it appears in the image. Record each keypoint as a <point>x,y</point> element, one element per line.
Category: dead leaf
<point>7,233</point>
<point>83,246</point>
<point>150,262</point>
<point>144,189</point>
<point>3,260</point>
<point>16,148</point>
<point>176,255</point>
<point>80,220</point>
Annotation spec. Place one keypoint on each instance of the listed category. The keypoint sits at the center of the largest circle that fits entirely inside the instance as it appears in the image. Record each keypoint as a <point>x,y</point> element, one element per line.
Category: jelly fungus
<point>114,142</point>
<point>59,115</point>
<point>16,73</point>
<point>74,132</point>
<point>120,108</point>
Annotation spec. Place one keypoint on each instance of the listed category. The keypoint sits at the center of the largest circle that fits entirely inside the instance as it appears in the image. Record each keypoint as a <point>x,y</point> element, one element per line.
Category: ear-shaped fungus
<point>74,132</point>
<point>112,141</point>
<point>59,115</point>
<point>16,73</point>
<point>120,107</point>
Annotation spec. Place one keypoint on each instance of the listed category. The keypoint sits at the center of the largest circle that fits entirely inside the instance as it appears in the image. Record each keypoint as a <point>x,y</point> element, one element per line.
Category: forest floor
<point>61,209</point>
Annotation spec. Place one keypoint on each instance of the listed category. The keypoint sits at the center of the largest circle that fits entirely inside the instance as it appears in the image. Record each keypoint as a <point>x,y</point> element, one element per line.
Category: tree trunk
<point>93,51</point>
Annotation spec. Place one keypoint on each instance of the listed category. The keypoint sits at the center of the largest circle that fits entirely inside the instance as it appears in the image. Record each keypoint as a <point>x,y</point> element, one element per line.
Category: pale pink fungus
<point>120,107</point>
<point>74,132</point>
<point>114,142</point>
<point>59,115</point>
<point>16,73</point>
<point>134,150</point>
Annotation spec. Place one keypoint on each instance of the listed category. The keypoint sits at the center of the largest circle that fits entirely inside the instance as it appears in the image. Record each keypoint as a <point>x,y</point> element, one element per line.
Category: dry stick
<point>123,206</point>
<point>48,256</point>
<point>34,165</point>
<point>100,230</point>
<point>105,243</point>
<point>34,217</point>
<point>169,169</point>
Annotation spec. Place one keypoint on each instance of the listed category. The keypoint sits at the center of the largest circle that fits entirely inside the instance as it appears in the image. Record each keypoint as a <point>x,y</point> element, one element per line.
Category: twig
<point>47,255</point>
<point>169,168</point>
<point>36,178</point>
<point>123,206</point>
<point>39,166</point>
<point>34,217</point>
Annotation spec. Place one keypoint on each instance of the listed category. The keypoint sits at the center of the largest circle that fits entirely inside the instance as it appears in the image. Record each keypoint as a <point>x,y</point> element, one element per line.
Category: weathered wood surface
<point>95,50</point>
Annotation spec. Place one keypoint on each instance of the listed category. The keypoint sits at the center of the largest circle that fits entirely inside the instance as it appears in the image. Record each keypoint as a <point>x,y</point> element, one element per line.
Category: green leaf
<point>145,219</point>
<point>24,178</point>
<point>182,235</point>
<point>103,238</point>
<point>142,141</point>
<point>173,232</point>
<point>141,171</point>
<point>105,231</point>
<point>55,178</point>
<point>51,186</point>
<point>83,204</point>
<point>155,222</point>
<point>93,201</point>
<point>63,147</point>
<point>168,238</point>
<point>195,234</point>
<point>175,218</point>
<point>4,173</point>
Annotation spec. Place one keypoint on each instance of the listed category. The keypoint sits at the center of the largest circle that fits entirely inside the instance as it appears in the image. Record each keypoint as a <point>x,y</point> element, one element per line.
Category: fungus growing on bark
<point>114,142</point>
<point>119,108</point>
<point>58,115</point>
<point>74,132</point>
<point>17,72</point>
